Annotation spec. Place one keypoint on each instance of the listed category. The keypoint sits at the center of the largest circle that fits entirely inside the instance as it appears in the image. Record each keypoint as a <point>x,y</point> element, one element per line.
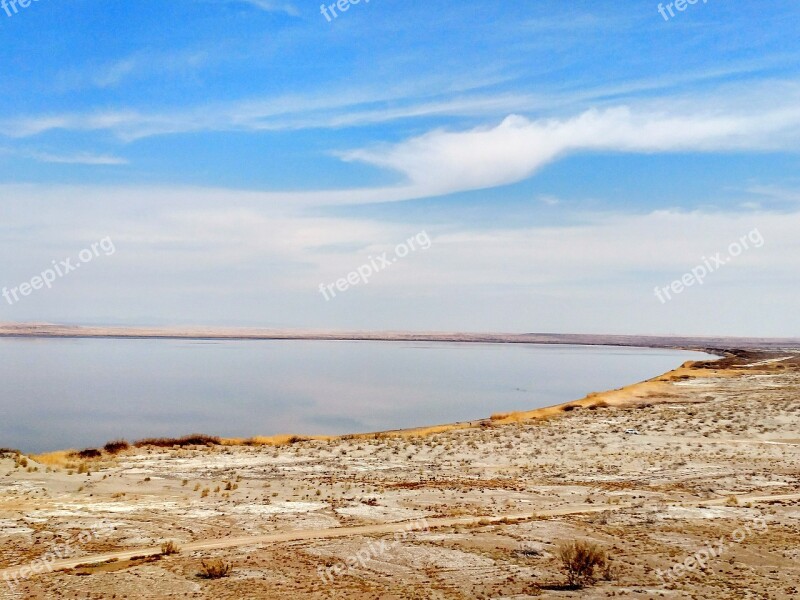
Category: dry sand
<point>711,448</point>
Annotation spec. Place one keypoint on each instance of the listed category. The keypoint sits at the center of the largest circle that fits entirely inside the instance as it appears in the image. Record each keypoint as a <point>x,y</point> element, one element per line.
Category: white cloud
<point>442,162</point>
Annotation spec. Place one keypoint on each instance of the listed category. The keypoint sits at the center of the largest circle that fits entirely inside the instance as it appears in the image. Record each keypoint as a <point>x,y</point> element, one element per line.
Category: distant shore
<point>707,344</point>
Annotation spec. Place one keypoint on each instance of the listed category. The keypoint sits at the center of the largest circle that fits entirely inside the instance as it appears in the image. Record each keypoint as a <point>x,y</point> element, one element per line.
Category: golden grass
<point>275,440</point>
<point>60,458</point>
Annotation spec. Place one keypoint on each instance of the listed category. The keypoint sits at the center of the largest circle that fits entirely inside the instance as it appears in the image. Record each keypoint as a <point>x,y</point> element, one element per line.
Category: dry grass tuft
<point>215,569</point>
<point>170,547</point>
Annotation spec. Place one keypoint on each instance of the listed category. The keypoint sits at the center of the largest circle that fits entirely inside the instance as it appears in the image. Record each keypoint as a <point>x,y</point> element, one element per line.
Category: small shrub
<point>89,454</point>
<point>168,548</point>
<point>579,560</point>
<point>116,446</point>
<point>215,569</point>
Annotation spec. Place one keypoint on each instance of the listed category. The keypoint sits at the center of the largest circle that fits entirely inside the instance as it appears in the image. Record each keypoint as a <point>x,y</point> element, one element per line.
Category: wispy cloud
<point>140,65</point>
<point>75,158</point>
<point>774,196</point>
<point>269,6</point>
<point>81,158</point>
<point>329,111</point>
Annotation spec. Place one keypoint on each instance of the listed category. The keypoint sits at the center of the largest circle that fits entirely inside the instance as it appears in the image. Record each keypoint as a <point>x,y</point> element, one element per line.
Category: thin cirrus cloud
<point>74,158</point>
<point>81,158</point>
<point>326,111</point>
<point>141,65</point>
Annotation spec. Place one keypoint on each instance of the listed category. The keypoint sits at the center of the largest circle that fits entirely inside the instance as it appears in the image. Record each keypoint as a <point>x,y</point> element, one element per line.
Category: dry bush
<point>215,569</point>
<point>170,547</point>
<point>88,454</point>
<point>579,560</point>
<point>116,446</point>
<point>194,439</point>
<point>599,404</point>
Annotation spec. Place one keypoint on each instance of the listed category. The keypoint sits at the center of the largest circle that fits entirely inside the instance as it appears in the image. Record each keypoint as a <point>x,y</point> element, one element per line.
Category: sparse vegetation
<point>195,439</point>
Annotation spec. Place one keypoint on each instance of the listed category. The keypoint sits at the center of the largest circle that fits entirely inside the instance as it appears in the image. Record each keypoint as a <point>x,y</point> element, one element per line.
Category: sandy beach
<point>653,473</point>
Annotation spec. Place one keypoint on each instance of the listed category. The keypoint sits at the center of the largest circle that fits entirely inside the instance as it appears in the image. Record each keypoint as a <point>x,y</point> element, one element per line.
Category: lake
<point>64,393</point>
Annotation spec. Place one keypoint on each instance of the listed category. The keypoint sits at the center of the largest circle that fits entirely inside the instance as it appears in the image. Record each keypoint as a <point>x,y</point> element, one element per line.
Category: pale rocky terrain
<point>708,451</point>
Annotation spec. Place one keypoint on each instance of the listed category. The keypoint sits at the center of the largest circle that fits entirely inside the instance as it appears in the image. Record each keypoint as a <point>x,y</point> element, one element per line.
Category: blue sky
<point>565,159</point>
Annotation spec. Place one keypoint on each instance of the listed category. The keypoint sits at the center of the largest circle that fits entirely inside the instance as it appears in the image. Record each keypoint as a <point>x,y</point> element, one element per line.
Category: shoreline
<point>731,352</point>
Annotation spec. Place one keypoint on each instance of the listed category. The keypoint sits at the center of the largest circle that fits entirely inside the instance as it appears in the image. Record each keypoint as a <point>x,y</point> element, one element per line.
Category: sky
<point>581,167</point>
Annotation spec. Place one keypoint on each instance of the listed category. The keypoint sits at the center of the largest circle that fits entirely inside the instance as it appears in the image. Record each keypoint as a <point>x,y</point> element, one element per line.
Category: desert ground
<point>700,466</point>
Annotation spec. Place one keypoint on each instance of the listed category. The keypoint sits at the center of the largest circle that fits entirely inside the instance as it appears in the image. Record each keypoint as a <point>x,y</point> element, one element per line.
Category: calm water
<point>78,393</point>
